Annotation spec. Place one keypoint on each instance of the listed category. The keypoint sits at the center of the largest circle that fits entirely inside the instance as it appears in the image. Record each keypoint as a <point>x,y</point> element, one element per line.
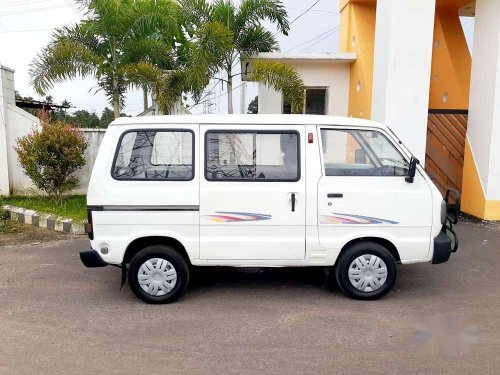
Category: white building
<point>325,76</point>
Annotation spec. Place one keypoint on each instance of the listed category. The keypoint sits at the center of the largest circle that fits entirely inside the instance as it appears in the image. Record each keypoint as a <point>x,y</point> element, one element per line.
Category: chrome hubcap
<point>157,277</point>
<point>367,273</point>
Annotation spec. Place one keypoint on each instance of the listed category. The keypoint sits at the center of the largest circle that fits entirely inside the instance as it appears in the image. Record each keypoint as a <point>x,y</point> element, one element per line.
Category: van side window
<point>360,153</point>
<point>252,156</point>
<point>155,155</point>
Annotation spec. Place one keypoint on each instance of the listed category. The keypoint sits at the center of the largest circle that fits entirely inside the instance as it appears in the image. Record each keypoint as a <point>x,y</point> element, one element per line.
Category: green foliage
<point>281,77</point>
<point>4,215</point>
<point>7,226</point>
<point>107,117</point>
<point>243,22</point>
<point>83,118</point>
<point>253,107</point>
<point>114,35</point>
<point>197,59</point>
<point>51,155</point>
<point>72,206</point>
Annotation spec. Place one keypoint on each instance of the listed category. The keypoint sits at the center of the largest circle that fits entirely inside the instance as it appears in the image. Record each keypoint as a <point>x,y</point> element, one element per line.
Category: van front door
<point>363,193</point>
<point>252,193</point>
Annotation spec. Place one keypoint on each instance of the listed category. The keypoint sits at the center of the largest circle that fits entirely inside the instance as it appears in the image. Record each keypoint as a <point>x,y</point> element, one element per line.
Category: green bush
<point>4,215</point>
<point>51,155</point>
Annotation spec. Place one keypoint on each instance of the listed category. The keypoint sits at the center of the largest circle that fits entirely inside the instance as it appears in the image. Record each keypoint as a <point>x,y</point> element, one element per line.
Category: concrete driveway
<point>57,317</point>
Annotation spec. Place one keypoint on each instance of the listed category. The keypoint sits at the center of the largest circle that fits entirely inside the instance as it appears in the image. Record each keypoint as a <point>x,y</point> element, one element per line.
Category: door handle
<point>335,195</point>
<point>293,202</point>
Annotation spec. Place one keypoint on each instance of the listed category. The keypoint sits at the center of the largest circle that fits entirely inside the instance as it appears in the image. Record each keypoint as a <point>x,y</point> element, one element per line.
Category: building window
<point>155,155</point>
<point>252,156</point>
<point>315,102</point>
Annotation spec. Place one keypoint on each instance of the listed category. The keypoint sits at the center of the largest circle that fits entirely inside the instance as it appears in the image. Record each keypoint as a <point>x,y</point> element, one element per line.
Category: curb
<point>47,221</point>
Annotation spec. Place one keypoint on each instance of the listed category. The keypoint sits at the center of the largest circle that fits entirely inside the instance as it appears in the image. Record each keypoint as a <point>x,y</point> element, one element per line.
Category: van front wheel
<point>366,271</point>
<point>158,274</point>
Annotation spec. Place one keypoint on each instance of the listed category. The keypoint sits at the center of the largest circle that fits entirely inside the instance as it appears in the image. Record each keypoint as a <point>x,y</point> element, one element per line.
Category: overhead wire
<point>333,29</point>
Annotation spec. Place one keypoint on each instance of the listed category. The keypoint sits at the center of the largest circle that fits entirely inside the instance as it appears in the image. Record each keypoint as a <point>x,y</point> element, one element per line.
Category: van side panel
<point>315,252</point>
<point>127,210</point>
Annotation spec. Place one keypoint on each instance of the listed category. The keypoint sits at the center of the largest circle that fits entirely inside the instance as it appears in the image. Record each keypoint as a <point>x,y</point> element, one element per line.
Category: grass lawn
<point>73,207</point>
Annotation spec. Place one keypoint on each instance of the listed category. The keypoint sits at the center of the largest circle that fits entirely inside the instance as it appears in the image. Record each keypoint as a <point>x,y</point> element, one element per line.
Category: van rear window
<point>155,155</point>
<point>252,156</point>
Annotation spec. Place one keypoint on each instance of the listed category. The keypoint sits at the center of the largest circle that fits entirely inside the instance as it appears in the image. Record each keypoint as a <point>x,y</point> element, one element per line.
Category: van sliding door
<point>252,193</point>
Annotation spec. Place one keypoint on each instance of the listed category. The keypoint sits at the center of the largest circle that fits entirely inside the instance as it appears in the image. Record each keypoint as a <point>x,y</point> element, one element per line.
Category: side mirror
<point>412,169</point>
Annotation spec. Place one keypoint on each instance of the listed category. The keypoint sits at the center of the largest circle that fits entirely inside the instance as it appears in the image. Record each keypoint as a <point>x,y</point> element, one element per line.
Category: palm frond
<point>253,12</point>
<point>195,12</point>
<point>224,11</point>
<point>60,61</point>
<point>254,39</point>
<point>281,77</point>
<point>147,49</point>
<point>211,42</point>
<point>165,86</point>
<point>159,16</point>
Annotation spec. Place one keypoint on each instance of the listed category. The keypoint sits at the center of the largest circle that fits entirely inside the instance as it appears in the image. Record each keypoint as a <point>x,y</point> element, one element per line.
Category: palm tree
<point>196,60</point>
<point>115,36</point>
<point>248,36</point>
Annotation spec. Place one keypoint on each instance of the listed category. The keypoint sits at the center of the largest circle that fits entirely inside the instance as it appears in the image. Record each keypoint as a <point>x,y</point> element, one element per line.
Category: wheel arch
<point>379,240</point>
<point>140,243</point>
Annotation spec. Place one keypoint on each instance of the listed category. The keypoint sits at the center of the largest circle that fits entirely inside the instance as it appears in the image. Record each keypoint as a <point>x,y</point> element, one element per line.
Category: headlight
<point>444,209</point>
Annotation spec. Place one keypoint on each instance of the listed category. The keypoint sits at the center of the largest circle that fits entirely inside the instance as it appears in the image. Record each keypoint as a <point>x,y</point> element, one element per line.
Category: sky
<point>26,25</point>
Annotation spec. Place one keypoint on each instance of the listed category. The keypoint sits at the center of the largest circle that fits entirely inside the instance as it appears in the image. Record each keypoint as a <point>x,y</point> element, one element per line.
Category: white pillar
<point>483,130</point>
<point>7,96</point>
<point>402,69</point>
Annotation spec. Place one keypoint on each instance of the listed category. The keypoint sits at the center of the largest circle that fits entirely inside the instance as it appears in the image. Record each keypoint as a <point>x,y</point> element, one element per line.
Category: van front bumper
<point>91,259</point>
<point>443,246</point>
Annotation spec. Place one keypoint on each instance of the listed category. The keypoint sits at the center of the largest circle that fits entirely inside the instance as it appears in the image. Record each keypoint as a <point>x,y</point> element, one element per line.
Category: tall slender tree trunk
<point>116,104</point>
<point>116,93</point>
<point>145,97</point>
<point>229,90</point>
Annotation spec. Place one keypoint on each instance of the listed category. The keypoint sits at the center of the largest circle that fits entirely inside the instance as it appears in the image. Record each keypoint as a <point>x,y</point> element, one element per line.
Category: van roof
<point>247,120</point>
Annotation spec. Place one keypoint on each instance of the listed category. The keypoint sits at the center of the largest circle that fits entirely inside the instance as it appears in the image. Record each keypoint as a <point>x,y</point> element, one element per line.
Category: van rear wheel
<point>366,271</point>
<point>158,274</point>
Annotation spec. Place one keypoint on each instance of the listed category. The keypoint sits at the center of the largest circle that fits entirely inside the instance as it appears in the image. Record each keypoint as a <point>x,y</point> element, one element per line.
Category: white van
<point>168,193</point>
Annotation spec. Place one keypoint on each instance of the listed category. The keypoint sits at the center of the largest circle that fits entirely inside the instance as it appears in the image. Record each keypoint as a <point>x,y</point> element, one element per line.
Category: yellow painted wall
<point>473,199</point>
<point>451,63</point>
<point>357,34</point>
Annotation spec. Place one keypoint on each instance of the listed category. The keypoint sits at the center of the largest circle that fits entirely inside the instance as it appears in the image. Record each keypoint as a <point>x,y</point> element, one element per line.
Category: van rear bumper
<point>442,248</point>
<point>91,259</point>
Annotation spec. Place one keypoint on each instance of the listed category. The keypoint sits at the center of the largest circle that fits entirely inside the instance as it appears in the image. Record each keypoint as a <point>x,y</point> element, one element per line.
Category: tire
<point>158,274</point>
<point>363,264</point>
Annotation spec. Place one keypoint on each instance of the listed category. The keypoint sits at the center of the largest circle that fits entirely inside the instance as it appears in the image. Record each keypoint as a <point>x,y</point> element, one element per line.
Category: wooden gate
<point>444,157</point>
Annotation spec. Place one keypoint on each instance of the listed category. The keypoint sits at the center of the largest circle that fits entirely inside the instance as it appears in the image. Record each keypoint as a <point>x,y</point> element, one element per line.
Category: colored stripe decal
<point>341,218</point>
<point>228,217</point>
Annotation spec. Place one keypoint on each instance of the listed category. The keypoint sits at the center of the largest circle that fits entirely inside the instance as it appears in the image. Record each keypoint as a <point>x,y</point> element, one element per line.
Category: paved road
<point>56,317</point>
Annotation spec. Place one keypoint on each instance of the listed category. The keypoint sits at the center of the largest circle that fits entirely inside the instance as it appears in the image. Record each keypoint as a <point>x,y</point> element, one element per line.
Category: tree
<point>107,44</point>
<point>84,119</point>
<point>51,155</point>
<point>106,117</point>
<point>244,22</point>
<point>197,57</point>
<point>253,107</point>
